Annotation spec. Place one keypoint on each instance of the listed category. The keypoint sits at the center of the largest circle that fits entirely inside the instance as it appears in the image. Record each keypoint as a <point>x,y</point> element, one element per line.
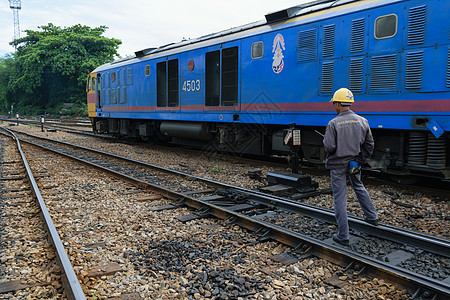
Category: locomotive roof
<point>277,16</point>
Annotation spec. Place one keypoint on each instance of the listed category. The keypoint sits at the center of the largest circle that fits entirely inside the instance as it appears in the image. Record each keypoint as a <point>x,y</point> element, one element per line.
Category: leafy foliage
<point>6,72</point>
<point>50,67</point>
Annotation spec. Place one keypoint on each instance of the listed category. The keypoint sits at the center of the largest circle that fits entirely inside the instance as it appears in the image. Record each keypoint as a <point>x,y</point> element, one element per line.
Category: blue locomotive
<point>238,90</point>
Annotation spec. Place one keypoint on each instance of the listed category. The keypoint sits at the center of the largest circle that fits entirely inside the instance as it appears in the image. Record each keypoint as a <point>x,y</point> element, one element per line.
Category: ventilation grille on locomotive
<point>414,70</point>
<point>416,25</point>
<point>124,97</point>
<point>383,73</point>
<point>128,76</point>
<point>358,35</point>
<point>113,96</point>
<point>329,33</point>
<point>447,82</point>
<point>326,86</point>
<point>356,74</point>
<point>307,44</point>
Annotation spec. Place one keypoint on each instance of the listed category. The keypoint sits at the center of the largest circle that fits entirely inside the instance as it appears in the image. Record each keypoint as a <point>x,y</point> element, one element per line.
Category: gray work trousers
<point>339,187</point>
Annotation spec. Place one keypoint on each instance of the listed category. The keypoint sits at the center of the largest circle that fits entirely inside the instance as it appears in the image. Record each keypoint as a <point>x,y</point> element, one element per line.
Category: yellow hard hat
<point>343,95</point>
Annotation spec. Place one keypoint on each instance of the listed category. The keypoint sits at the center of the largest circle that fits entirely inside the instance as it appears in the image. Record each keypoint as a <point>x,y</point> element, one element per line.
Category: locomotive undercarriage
<point>397,153</point>
<point>411,153</point>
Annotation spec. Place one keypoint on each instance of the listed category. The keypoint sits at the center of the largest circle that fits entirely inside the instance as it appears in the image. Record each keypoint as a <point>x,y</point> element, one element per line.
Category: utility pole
<point>15,6</point>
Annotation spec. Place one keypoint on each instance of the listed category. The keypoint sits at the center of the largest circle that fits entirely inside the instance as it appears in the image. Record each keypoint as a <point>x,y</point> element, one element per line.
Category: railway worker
<point>348,140</point>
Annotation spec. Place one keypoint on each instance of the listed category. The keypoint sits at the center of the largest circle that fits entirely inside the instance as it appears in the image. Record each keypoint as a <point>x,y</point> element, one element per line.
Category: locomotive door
<point>168,84</point>
<point>97,88</point>
<point>222,77</point>
<point>93,94</point>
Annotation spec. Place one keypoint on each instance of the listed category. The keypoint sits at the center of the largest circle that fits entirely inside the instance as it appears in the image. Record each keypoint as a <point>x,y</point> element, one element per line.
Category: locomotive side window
<point>99,93</point>
<point>113,76</point>
<point>147,70</point>
<point>257,50</point>
<point>88,86</point>
<point>386,26</point>
<point>212,86</point>
<point>172,81</point>
<point>161,84</point>
<point>230,76</point>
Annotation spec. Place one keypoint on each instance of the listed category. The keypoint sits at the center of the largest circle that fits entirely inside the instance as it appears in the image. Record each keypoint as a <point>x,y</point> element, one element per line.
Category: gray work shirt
<point>347,137</point>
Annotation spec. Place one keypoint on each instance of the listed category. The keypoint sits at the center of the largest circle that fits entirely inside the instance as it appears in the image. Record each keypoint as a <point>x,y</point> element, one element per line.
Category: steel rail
<point>421,240</point>
<point>70,280</point>
<point>49,124</point>
<point>338,255</point>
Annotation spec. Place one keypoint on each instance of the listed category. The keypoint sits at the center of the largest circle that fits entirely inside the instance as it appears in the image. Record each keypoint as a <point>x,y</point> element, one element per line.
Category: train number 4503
<point>191,85</point>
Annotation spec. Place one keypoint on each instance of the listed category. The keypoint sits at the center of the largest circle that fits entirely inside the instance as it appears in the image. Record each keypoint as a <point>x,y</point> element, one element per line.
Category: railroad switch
<point>290,182</point>
<point>290,179</point>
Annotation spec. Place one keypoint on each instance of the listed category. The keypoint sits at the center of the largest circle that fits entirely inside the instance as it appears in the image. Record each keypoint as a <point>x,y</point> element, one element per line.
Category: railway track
<point>425,185</point>
<point>68,126</point>
<point>38,264</point>
<point>385,251</point>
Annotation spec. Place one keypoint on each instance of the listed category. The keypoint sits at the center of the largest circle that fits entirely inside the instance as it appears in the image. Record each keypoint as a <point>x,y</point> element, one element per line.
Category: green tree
<point>6,73</point>
<point>51,65</point>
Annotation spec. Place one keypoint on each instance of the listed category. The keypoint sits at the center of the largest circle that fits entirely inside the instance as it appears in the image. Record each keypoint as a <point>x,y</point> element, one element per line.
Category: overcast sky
<point>139,24</point>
